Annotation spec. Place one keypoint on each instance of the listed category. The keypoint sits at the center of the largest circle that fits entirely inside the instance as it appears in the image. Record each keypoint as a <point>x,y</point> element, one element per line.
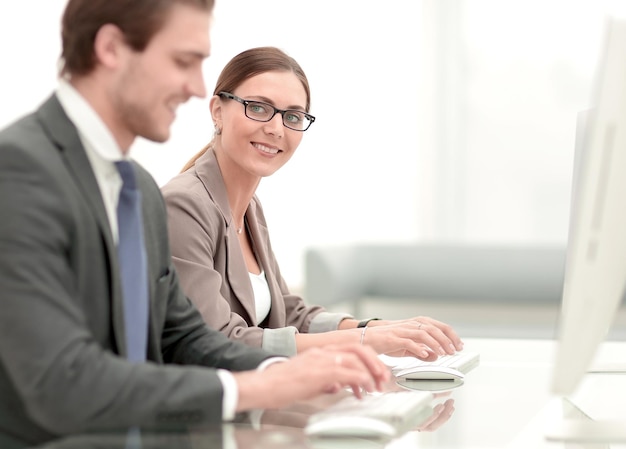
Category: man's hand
<point>312,373</point>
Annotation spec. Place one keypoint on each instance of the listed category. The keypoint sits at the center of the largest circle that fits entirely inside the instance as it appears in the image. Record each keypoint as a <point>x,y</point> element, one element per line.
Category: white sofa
<point>510,291</point>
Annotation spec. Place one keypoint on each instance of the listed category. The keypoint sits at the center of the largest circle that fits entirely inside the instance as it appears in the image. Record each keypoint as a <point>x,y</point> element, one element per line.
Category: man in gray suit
<point>126,67</point>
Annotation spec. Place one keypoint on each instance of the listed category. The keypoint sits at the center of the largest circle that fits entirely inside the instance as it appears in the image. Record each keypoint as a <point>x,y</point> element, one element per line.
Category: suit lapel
<point>209,173</point>
<point>64,134</point>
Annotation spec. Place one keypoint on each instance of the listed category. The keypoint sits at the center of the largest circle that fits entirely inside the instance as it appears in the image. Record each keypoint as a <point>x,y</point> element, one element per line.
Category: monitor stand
<point>585,431</point>
<point>608,368</point>
<point>574,425</point>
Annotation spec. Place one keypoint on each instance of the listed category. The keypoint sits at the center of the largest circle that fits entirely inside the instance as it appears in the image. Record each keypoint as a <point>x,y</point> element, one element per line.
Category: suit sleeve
<point>66,378</point>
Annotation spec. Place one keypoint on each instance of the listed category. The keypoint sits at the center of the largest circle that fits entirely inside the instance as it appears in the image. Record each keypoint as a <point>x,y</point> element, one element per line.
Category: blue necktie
<point>133,264</point>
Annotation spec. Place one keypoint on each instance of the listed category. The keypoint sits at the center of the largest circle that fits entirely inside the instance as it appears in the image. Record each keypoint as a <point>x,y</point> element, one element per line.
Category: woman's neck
<point>240,187</point>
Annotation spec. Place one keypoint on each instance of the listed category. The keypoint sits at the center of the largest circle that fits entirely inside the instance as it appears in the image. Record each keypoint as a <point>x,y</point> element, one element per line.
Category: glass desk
<point>504,402</point>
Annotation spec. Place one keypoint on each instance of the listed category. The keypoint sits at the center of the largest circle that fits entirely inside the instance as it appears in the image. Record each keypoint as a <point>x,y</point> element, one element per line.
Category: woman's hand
<point>422,337</point>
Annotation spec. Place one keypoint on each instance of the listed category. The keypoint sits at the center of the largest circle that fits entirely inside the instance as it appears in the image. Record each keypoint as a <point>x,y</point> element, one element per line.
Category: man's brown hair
<point>139,20</point>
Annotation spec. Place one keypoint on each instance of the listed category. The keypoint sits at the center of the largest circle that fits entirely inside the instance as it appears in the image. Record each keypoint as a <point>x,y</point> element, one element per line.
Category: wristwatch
<point>364,323</point>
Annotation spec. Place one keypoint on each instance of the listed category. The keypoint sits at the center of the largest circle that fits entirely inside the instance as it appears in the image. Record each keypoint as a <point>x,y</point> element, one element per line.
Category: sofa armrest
<point>435,271</point>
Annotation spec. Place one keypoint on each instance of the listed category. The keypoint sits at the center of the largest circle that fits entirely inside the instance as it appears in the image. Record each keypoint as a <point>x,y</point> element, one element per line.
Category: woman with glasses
<point>219,237</point>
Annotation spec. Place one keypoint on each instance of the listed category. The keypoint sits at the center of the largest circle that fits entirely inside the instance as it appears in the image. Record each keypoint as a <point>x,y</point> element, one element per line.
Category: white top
<point>262,298</point>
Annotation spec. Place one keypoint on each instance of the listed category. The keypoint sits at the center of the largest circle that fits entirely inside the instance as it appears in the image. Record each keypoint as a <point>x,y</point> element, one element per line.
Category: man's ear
<point>109,45</point>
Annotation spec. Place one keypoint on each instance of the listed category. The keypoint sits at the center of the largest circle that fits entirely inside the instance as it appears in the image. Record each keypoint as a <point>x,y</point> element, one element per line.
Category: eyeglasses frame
<point>245,104</point>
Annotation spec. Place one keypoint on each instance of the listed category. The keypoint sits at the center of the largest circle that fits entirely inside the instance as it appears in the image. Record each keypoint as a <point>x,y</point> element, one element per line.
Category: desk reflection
<point>440,410</point>
<point>140,440</point>
<point>262,429</point>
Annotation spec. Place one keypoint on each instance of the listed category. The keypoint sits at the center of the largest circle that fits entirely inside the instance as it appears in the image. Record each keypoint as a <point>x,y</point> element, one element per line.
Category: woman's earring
<point>218,130</point>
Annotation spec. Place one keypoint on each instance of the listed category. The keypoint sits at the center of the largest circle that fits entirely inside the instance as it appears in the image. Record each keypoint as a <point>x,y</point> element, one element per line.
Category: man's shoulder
<point>25,143</point>
<point>19,129</point>
<point>28,131</point>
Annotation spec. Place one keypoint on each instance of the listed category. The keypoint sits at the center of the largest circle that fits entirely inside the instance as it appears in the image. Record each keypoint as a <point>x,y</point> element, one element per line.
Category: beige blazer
<point>212,270</point>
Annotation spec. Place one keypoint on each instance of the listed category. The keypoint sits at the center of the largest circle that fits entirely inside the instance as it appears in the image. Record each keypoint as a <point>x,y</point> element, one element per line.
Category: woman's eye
<point>292,117</point>
<point>257,108</point>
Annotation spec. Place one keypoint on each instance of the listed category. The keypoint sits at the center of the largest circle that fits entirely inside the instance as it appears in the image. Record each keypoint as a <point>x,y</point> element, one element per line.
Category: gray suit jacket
<point>62,366</point>
<point>213,272</point>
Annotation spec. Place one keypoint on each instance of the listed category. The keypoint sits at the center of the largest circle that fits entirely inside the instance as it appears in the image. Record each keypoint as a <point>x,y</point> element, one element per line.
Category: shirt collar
<point>91,129</point>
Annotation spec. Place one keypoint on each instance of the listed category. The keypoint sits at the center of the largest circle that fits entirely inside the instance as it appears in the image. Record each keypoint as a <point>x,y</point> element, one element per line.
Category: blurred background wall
<point>437,120</point>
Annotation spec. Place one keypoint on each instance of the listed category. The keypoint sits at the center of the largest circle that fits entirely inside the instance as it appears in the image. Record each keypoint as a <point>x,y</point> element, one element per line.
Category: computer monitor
<point>595,274</point>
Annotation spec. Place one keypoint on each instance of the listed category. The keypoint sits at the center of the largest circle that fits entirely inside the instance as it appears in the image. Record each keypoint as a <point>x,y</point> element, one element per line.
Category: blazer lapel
<point>260,235</point>
<point>209,173</point>
<point>63,132</point>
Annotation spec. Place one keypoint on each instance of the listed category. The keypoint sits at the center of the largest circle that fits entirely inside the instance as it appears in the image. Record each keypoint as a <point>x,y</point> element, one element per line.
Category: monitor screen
<point>595,274</point>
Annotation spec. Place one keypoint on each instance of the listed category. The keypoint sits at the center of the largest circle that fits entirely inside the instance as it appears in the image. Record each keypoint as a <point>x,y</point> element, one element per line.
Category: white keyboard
<point>374,416</point>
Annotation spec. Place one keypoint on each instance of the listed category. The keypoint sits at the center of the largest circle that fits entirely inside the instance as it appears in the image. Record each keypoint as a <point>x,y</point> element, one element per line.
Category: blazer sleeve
<point>309,319</point>
<point>197,237</point>
<point>306,318</point>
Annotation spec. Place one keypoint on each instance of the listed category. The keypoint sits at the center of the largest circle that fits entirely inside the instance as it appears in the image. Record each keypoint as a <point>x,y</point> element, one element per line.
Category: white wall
<point>437,119</point>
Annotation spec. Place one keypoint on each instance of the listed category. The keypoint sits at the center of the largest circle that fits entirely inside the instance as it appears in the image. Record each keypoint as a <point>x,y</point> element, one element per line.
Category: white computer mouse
<point>350,426</point>
<point>429,372</point>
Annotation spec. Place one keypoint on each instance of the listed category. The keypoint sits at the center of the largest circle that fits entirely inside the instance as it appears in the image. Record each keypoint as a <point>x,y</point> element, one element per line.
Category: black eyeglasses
<point>264,112</point>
